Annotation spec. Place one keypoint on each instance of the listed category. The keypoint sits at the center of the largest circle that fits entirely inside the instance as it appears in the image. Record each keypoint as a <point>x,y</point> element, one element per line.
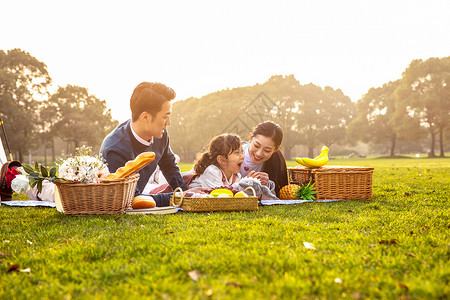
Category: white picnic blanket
<point>29,203</point>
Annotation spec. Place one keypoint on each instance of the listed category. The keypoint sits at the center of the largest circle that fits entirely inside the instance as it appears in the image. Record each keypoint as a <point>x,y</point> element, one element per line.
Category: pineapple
<point>295,191</point>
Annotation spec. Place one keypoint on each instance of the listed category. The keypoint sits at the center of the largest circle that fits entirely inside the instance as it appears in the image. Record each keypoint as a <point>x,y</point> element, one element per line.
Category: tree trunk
<point>393,142</point>
<point>53,150</point>
<point>287,152</point>
<point>45,154</point>
<point>310,152</point>
<point>441,142</point>
<point>433,142</point>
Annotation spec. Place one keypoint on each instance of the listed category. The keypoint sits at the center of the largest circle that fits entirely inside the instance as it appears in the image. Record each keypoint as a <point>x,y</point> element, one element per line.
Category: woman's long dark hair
<point>275,166</point>
<point>223,145</point>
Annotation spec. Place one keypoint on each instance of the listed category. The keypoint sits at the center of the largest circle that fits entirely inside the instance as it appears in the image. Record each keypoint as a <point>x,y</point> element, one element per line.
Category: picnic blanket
<point>52,204</point>
<point>29,203</point>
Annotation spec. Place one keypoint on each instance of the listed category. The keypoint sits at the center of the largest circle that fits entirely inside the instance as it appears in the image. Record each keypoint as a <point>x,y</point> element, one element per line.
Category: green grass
<point>245,255</point>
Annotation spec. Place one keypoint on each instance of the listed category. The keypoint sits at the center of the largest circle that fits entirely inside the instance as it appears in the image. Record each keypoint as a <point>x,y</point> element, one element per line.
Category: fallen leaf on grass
<point>407,193</point>
<point>425,226</point>
<point>409,254</point>
<point>195,275</point>
<point>235,284</point>
<point>2,254</point>
<point>309,246</point>
<point>391,242</point>
<point>169,232</point>
<point>357,295</point>
<point>117,219</point>
<point>403,286</point>
<point>12,268</point>
<point>209,292</point>
<point>352,211</point>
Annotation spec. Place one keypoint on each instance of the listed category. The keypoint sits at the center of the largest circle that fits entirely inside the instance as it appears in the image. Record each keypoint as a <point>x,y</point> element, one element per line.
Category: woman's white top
<point>214,177</point>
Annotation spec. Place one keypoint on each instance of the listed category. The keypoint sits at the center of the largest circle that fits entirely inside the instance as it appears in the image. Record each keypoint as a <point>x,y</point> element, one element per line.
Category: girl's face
<point>261,149</point>
<point>232,164</point>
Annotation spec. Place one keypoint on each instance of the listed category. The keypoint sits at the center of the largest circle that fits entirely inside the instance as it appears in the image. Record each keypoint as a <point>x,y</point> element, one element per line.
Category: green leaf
<point>53,172</point>
<point>44,171</point>
<point>39,186</point>
<point>36,167</point>
<point>52,179</point>
<point>28,168</point>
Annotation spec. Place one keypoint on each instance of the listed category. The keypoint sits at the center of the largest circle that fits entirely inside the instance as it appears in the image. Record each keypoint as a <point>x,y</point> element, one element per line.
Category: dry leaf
<point>117,219</point>
<point>425,226</point>
<point>407,193</point>
<point>357,295</point>
<point>235,284</point>
<point>403,286</point>
<point>12,268</point>
<point>410,254</point>
<point>169,232</point>
<point>209,292</point>
<point>391,242</point>
<point>309,246</point>
<point>352,211</point>
<point>195,275</point>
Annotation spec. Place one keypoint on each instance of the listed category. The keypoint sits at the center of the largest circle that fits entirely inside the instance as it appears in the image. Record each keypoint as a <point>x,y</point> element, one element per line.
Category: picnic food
<point>241,194</point>
<point>221,192</point>
<point>142,201</point>
<point>133,166</point>
<point>295,191</point>
<point>317,162</point>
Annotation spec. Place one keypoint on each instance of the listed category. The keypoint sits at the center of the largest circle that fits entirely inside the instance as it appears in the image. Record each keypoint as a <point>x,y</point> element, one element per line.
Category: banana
<point>317,162</point>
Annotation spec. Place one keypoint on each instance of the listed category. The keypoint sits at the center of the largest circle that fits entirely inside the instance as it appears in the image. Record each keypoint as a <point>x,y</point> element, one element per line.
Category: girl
<point>220,165</point>
<point>263,158</point>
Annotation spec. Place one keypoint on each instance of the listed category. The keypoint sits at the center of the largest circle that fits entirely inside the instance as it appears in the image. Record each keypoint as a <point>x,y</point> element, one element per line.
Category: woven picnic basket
<point>109,197</point>
<point>192,204</point>
<point>336,182</point>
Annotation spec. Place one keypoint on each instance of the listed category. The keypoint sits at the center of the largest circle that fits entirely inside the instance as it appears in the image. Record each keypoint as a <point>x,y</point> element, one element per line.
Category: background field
<point>395,246</point>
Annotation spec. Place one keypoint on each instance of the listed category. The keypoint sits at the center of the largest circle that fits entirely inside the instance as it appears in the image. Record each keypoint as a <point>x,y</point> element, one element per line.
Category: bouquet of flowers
<point>81,168</point>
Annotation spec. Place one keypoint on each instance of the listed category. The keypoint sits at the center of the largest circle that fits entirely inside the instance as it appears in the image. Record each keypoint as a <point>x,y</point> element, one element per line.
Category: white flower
<point>20,184</point>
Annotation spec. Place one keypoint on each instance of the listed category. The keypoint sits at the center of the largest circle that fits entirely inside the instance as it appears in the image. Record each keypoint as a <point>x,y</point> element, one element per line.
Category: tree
<point>323,116</point>
<point>23,82</point>
<point>424,95</point>
<point>81,117</point>
<point>376,115</point>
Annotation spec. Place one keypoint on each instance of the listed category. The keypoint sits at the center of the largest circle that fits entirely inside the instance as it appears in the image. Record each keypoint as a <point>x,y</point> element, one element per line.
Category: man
<point>146,131</point>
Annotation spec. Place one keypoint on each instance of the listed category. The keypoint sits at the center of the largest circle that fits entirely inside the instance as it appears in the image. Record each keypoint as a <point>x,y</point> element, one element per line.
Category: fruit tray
<point>336,182</point>
<point>192,204</point>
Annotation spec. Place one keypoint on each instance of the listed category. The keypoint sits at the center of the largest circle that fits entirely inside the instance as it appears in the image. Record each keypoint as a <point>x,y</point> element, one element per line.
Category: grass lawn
<point>395,246</point>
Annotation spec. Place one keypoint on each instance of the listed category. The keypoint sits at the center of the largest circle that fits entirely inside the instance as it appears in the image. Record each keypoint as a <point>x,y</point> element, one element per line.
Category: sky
<point>199,47</point>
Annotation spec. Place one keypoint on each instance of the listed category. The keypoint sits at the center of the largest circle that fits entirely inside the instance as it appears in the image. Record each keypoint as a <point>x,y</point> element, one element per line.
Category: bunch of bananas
<point>317,162</point>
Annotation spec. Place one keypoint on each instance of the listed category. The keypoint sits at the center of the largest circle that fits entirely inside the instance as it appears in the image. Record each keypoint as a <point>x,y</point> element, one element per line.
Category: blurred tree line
<point>34,117</point>
<point>413,108</point>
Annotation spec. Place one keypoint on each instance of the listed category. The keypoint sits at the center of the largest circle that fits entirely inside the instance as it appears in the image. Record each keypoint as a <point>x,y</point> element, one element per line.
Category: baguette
<point>143,201</point>
<point>133,166</point>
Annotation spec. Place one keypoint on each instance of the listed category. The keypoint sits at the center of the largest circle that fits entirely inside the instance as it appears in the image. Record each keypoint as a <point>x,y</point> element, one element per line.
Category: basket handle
<point>250,187</point>
<point>174,197</point>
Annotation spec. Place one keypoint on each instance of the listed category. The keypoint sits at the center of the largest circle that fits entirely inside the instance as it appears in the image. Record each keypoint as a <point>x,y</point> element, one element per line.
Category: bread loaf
<point>143,201</point>
<point>133,166</point>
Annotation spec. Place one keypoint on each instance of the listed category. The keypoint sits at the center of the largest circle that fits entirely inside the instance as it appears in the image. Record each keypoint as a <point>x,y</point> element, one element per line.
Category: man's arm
<point>170,169</point>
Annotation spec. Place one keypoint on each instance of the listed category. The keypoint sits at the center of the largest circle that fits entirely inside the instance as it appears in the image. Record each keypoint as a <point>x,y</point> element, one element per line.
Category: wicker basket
<point>214,204</point>
<point>109,197</point>
<point>336,182</point>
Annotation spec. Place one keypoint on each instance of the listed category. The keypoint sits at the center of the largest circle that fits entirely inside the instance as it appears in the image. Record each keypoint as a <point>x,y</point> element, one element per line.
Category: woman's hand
<point>263,177</point>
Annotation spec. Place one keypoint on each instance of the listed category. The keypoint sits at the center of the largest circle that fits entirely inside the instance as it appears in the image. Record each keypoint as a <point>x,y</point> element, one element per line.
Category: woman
<point>263,158</point>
